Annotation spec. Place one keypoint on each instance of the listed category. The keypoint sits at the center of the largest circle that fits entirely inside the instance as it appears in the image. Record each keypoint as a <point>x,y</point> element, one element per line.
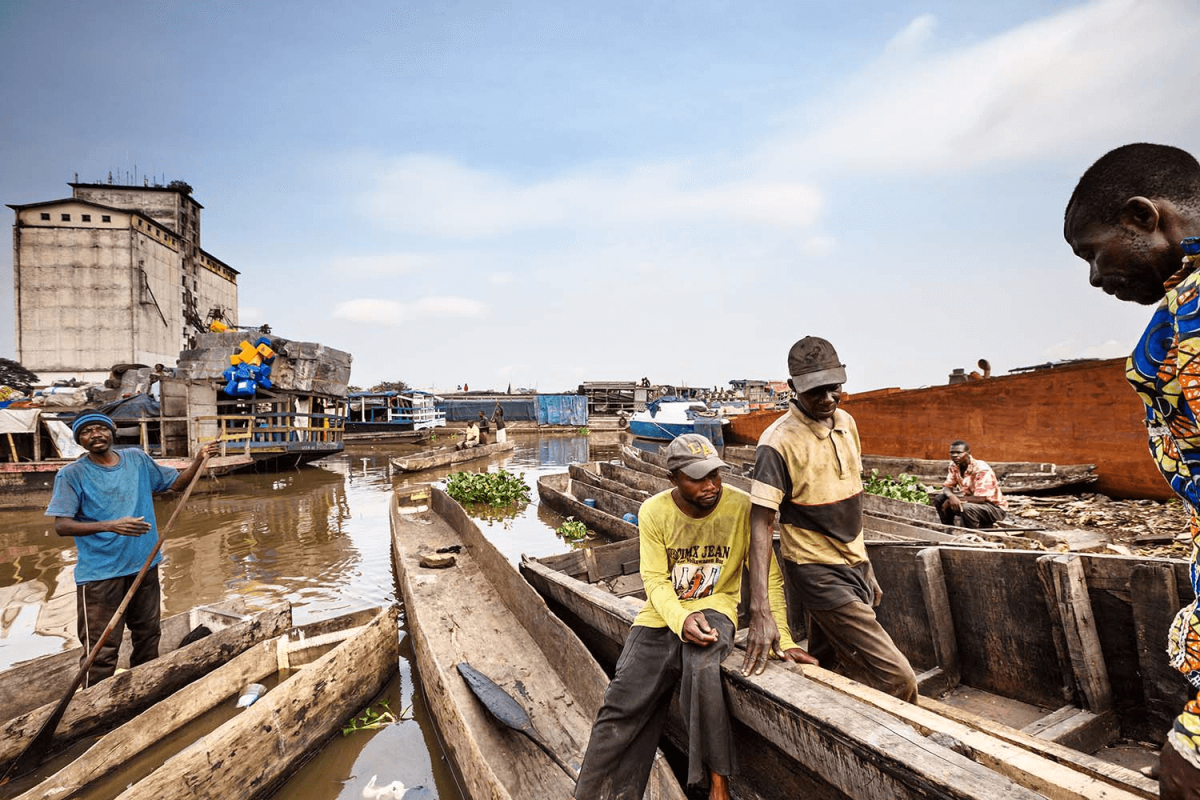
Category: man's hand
<point>129,526</point>
<point>762,640</point>
<point>697,630</point>
<point>210,450</point>
<point>799,655</point>
<point>954,502</point>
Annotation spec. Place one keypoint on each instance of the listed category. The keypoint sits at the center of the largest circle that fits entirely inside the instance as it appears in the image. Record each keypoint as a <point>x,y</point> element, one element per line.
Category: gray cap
<point>693,455</point>
<point>813,362</point>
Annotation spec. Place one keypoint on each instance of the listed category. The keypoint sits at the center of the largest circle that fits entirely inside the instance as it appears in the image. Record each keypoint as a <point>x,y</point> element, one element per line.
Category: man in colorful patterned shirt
<point>695,540</point>
<point>1134,217</point>
<point>971,491</point>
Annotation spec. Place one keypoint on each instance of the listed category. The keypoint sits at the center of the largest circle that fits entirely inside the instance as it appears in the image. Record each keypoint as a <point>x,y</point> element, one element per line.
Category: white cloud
<point>448,307</point>
<point>439,196</point>
<point>1073,349</point>
<point>382,264</point>
<point>500,278</point>
<point>1088,78</point>
<point>389,312</point>
<point>370,310</point>
<point>819,246</point>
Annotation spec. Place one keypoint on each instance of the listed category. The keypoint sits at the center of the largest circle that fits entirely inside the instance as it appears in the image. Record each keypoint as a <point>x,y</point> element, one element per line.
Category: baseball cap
<point>693,455</point>
<point>813,362</point>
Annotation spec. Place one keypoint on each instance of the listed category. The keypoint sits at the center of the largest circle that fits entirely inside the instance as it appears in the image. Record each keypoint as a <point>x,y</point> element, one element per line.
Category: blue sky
<point>542,193</point>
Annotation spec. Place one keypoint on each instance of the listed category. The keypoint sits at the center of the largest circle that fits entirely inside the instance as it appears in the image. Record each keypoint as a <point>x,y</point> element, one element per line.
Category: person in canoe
<point>484,428</point>
<point>105,500</point>
<point>695,539</point>
<point>971,491</point>
<point>808,468</point>
<point>1134,217</point>
<point>498,421</point>
<point>470,436</point>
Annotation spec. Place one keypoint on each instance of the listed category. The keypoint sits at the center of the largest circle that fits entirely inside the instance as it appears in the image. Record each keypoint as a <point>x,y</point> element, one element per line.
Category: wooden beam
<point>1073,608</point>
<point>937,608</point>
<point>1157,592</point>
<point>1050,594</point>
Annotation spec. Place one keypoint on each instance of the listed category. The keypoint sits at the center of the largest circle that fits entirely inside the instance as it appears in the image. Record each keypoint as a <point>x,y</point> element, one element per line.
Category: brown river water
<point>317,537</point>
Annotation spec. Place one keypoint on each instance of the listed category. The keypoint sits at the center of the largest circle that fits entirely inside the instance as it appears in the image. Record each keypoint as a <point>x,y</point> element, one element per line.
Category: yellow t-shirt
<point>689,565</point>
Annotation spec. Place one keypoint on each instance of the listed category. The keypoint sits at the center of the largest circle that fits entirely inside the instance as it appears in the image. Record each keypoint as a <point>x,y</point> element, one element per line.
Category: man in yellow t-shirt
<point>695,540</point>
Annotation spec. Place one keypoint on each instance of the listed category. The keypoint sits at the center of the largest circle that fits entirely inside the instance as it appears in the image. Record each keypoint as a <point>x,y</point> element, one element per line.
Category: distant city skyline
<point>550,193</point>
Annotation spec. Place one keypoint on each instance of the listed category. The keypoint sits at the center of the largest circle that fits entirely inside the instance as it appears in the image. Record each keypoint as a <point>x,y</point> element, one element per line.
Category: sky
<point>541,193</point>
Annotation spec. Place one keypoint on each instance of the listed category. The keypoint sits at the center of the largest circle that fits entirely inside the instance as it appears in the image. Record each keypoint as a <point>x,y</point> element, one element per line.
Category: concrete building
<point>114,275</point>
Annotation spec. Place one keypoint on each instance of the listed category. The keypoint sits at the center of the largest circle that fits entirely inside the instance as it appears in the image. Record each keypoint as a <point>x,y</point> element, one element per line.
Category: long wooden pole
<point>35,751</point>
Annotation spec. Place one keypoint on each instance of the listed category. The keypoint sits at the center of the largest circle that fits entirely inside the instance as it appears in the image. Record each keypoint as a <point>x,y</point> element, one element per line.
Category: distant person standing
<point>971,491</point>
<point>105,500</point>
<point>1134,217</point>
<point>498,421</point>
<point>484,428</point>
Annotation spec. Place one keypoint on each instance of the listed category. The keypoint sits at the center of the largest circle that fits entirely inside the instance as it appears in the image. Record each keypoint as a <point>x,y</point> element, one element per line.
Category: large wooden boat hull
<point>480,611</point>
<point>251,754</point>
<point>1007,655</point>
<point>448,456</point>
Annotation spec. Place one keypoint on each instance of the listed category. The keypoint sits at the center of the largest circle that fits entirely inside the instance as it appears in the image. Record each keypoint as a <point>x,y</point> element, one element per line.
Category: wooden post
<point>1056,626</point>
<point>13,447</point>
<point>1079,632</point>
<point>1157,603</point>
<point>937,608</point>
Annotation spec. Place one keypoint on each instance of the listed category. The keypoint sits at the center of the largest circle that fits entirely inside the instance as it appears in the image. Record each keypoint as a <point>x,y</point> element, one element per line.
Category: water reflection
<point>318,537</point>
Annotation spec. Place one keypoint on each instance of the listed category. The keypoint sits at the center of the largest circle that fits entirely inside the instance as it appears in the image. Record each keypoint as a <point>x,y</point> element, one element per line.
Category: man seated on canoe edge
<point>470,437</point>
<point>971,491</point>
<point>695,540</point>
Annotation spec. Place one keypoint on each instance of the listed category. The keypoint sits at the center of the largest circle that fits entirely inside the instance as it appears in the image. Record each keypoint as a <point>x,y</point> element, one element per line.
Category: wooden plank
<point>1083,730</point>
<point>1079,632</point>
<point>157,723</point>
<point>937,607</point>
<point>1081,762</point>
<point>587,474</point>
<point>1163,690</point>
<point>117,699</point>
<point>1028,769</point>
<point>614,504</point>
<point>1050,593</point>
<point>296,718</point>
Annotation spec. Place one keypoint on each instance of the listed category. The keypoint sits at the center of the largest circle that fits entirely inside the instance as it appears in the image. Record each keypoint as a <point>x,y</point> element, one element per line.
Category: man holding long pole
<point>105,500</point>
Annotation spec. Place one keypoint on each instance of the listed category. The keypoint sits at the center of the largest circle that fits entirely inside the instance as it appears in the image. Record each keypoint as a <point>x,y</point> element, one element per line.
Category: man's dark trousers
<point>624,739</point>
<point>97,601</point>
<point>974,515</point>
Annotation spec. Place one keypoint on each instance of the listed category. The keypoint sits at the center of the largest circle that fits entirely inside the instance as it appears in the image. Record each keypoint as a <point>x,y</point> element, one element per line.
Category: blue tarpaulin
<point>562,409</point>
<point>461,409</point>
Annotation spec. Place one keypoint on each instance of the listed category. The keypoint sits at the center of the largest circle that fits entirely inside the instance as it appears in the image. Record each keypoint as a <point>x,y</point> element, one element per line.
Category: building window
<point>86,217</point>
<point>66,217</point>
<point>105,218</point>
<point>45,216</point>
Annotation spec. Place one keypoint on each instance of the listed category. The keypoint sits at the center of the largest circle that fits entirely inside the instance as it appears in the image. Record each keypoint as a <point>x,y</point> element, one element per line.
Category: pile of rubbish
<point>1145,527</point>
<point>267,362</point>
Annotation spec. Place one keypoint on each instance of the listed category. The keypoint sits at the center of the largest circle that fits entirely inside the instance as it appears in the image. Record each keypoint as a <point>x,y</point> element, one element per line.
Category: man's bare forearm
<point>760,558</point>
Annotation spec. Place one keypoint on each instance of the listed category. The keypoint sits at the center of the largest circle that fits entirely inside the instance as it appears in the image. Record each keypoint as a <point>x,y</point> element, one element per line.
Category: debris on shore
<point>1135,527</point>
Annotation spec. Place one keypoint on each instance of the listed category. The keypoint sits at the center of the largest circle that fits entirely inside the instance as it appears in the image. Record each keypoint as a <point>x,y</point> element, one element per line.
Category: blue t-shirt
<point>88,492</point>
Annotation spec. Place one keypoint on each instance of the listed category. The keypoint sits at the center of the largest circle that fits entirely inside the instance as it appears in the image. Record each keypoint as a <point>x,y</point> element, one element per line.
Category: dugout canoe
<point>30,690</point>
<point>1074,662</point>
<point>479,611</point>
<point>566,496</point>
<point>328,672</point>
<point>446,456</point>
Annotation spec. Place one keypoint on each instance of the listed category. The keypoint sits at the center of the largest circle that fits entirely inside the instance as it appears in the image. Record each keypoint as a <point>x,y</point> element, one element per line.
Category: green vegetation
<point>572,530</point>
<point>584,431</point>
<point>903,487</point>
<point>372,720</point>
<point>496,489</point>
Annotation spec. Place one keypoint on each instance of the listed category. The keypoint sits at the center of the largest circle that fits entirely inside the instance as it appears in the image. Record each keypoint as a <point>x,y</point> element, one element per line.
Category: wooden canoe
<point>566,496</point>
<point>794,721</point>
<point>480,611</point>
<point>446,456</point>
<point>256,750</point>
<point>29,691</point>
<point>1015,477</point>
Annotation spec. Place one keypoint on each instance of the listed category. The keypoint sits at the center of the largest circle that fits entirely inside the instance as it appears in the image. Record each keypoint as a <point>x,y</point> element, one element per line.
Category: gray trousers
<point>974,515</point>
<point>653,662</point>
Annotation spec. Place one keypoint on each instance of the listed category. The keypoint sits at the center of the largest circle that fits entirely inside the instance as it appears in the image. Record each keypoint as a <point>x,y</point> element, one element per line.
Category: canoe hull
<point>448,456</point>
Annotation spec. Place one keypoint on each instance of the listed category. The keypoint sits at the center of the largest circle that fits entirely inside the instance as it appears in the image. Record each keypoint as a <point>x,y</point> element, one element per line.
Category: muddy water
<point>317,537</point>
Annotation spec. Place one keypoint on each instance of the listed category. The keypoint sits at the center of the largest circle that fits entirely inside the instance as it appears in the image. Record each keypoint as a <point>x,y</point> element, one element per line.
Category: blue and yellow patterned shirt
<point>1164,370</point>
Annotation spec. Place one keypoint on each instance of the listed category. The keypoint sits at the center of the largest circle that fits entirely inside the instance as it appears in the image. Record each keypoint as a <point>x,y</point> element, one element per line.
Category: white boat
<point>668,417</point>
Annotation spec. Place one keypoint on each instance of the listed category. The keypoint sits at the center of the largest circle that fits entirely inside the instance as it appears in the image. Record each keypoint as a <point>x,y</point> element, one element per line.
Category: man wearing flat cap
<point>105,500</point>
<point>807,468</point>
<point>695,539</point>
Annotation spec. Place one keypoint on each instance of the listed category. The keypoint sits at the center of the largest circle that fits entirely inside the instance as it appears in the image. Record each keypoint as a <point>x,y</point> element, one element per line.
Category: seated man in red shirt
<point>971,492</point>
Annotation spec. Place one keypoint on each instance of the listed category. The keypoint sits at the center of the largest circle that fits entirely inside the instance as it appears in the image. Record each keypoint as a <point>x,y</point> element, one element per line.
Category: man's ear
<point>792,385</point>
<point>1141,213</point>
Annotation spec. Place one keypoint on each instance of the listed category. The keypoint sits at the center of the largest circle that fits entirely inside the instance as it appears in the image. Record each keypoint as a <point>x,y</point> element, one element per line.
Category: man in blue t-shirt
<point>105,499</point>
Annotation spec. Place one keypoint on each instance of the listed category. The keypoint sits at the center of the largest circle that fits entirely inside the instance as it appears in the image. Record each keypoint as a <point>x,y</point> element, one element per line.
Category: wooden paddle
<point>35,751</point>
<point>509,712</point>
